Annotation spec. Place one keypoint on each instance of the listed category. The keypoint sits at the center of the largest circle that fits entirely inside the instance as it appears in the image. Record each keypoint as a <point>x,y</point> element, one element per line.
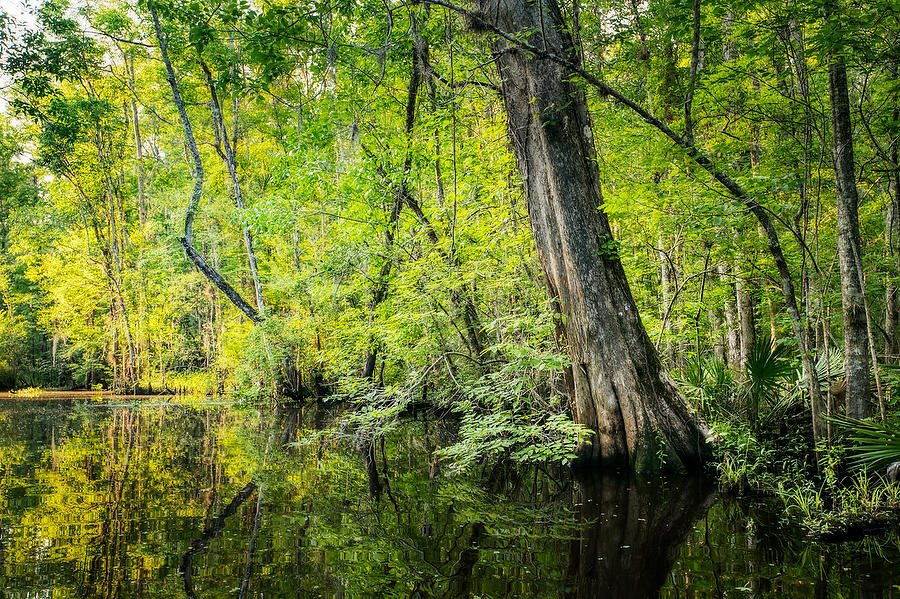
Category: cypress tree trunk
<point>619,388</point>
<point>856,341</point>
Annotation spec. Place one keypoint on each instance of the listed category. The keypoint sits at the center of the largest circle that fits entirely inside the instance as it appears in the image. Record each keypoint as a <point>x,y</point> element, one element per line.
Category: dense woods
<point>534,217</point>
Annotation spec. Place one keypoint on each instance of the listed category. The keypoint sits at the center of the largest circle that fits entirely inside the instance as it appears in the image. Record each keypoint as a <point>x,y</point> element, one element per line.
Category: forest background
<point>359,200</point>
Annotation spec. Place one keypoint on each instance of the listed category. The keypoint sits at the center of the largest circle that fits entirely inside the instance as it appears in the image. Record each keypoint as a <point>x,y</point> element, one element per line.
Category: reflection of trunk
<point>461,576</point>
<point>820,588</point>
<point>633,531</point>
<point>257,522</point>
<point>621,391</point>
<point>368,452</point>
<point>212,530</point>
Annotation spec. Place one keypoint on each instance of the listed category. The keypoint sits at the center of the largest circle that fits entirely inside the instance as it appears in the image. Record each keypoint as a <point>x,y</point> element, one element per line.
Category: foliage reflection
<point>206,500</point>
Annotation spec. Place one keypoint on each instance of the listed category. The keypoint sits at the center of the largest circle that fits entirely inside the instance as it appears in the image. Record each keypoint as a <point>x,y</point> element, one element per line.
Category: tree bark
<point>891,304</point>
<point>732,338</point>
<point>892,311</point>
<point>665,283</point>
<point>856,342</point>
<point>620,390</point>
<point>138,148</point>
<point>745,319</point>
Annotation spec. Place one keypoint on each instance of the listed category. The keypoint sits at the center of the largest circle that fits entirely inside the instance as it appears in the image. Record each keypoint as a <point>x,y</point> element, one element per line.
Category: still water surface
<point>158,499</point>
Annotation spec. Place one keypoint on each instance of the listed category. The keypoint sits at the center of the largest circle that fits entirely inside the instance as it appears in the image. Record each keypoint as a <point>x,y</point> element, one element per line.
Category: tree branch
<point>188,240</point>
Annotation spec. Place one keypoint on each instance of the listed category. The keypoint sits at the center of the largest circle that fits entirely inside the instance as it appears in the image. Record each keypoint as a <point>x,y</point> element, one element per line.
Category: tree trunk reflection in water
<point>213,529</point>
<point>639,527</point>
<point>257,522</point>
<point>284,428</point>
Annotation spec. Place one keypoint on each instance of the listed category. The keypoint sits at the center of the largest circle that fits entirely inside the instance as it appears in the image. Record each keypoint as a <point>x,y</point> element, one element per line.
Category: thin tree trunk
<point>665,283</point>
<point>894,236</point>
<point>773,324</point>
<point>732,337</point>
<point>116,276</point>
<point>891,304</point>
<point>138,149</point>
<point>227,153</point>
<point>715,331</point>
<point>187,242</point>
<point>379,293</point>
<point>856,343</point>
<point>745,318</point>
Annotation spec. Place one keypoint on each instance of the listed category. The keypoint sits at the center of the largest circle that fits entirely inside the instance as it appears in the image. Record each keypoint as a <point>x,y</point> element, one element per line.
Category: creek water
<point>156,498</point>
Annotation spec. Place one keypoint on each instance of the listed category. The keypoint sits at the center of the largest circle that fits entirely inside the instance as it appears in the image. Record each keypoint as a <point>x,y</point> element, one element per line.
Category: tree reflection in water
<point>210,500</point>
<point>634,529</point>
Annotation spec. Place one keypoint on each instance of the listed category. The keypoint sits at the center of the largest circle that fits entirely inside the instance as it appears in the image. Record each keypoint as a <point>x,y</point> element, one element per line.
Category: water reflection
<point>634,529</point>
<point>212,530</point>
<point>172,500</point>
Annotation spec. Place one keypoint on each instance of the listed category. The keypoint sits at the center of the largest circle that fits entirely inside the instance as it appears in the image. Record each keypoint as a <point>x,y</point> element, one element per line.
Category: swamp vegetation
<point>494,241</point>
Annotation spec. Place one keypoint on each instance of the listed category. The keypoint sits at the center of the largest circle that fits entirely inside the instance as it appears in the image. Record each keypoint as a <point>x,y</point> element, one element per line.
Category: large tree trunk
<point>619,388</point>
<point>856,340</point>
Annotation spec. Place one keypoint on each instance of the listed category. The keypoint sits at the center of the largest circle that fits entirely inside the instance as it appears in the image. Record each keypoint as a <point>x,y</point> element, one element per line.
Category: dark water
<point>171,500</point>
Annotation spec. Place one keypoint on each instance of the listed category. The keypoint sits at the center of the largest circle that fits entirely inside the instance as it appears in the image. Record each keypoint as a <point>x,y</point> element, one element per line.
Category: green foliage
<point>525,439</point>
<point>864,503</point>
<point>750,463</point>
<point>875,444</point>
<point>446,295</point>
<point>768,371</point>
<point>711,386</point>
